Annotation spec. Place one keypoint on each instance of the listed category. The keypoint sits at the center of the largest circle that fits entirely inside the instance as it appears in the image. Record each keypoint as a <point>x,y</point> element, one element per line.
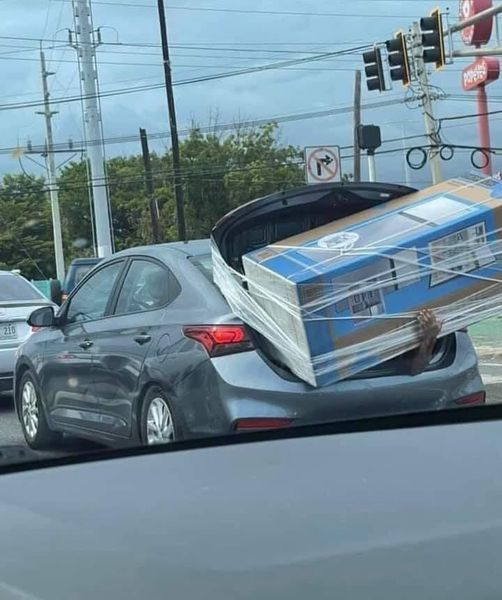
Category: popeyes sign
<point>482,71</point>
<point>481,32</point>
<point>485,69</point>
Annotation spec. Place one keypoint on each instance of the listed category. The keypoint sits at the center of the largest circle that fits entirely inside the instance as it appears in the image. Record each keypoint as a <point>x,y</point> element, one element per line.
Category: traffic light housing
<point>369,137</point>
<point>399,62</point>
<point>433,39</point>
<point>373,69</point>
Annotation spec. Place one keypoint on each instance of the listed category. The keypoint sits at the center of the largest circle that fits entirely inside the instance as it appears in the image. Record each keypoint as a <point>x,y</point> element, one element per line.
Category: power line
<point>253,11</point>
<point>200,79</point>
<point>224,127</point>
<point>23,38</point>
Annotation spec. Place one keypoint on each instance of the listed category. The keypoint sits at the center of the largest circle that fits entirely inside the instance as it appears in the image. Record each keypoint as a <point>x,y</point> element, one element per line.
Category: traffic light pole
<point>357,123</point>
<point>371,166</point>
<point>430,124</point>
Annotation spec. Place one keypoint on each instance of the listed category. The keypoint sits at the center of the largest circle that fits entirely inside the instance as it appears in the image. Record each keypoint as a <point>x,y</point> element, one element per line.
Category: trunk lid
<point>272,218</point>
<point>278,216</point>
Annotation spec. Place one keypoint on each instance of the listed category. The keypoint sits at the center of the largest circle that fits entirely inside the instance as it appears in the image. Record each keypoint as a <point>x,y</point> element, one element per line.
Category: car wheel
<point>157,424</point>
<point>32,416</point>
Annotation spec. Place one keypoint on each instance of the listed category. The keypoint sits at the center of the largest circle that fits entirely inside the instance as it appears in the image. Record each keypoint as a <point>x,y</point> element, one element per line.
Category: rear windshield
<point>205,265</point>
<point>13,287</point>
<point>76,275</point>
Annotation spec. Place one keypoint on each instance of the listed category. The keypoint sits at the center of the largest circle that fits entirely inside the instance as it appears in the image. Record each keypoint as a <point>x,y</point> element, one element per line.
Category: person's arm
<point>430,328</point>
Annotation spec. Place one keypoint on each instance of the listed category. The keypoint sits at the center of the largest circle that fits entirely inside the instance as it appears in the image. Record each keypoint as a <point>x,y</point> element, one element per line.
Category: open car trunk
<point>273,218</point>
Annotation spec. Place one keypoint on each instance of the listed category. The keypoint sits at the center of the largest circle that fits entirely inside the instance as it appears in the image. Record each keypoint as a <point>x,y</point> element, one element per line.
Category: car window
<point>146,287</point>
<point>17,289</point>
<point>80,272</point>
<point>92,298</point>
<point>204,263</point>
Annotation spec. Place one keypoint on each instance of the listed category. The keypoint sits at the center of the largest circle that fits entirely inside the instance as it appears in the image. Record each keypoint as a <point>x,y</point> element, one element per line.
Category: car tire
<point>32,416</point>
<point>158,423</point>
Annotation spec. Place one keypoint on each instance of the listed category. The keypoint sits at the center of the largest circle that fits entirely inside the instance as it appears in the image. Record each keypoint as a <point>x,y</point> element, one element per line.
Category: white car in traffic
<point>18,299</point>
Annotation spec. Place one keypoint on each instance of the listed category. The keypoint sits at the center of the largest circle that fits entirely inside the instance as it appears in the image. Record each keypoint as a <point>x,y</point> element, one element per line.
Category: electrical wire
<point>201,79</point>
<point>223,127</point>
<point>251,11</point>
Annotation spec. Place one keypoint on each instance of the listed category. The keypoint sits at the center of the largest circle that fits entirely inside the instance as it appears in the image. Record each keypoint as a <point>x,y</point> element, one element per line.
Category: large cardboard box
<point>346,294</point>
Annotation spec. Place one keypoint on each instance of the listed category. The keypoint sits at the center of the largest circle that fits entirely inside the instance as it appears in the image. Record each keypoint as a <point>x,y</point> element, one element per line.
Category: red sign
<point>481,72</point>
<point>480,33</point>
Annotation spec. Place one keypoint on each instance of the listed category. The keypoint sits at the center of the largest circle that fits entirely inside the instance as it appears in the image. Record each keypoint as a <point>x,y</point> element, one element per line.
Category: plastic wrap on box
<point>341,298</point>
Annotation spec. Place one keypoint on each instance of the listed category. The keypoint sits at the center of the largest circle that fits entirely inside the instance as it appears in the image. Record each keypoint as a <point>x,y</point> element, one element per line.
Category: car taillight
<point>33,328</point>
<point>477,398</point>
<point>261,423</point>
<point>219,340</point>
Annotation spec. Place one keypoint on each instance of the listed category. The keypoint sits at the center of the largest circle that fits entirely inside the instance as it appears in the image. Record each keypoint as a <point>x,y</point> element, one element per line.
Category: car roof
<point>86,261</point>
<point>189,248</point>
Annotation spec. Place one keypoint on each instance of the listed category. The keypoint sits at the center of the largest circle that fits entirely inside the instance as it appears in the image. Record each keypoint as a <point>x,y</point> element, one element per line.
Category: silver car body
<point>14,329</point>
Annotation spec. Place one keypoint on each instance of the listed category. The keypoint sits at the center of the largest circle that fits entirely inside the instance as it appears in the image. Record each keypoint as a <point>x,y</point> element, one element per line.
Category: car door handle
<point>142,339</point>
<point>86,344</point>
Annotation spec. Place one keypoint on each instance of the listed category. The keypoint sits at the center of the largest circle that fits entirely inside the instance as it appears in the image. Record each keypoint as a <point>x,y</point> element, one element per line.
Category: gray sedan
<point>18,299</point>
<point>146,351</point>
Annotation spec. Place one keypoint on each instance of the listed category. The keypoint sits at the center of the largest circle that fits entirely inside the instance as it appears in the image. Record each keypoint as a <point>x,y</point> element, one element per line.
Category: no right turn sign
<point>322,164</point>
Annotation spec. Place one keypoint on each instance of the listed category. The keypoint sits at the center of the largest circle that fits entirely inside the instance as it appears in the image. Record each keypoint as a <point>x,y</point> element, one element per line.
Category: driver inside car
<point>154,292</point>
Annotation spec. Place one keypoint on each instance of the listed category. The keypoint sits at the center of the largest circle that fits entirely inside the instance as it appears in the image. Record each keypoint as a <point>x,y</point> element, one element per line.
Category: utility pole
<point>52,174</point>
<point>92,118</point>
<point>154,208</point>
<point>357,123</point>
<point>178,182</point>
<point>430,128</point>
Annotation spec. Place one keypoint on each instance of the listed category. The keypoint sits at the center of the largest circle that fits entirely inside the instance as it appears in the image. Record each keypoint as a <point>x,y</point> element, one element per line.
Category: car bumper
<point>6,382</point>
<point>7,363</point>
<point>246,387</point>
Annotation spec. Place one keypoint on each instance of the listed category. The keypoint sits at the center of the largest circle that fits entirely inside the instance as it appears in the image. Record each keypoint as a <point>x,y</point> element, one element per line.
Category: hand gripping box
<point>344,295</point>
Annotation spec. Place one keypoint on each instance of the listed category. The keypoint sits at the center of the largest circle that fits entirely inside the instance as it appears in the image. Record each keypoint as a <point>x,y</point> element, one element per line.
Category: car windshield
<point>16,289</point>
<point>224,216</point>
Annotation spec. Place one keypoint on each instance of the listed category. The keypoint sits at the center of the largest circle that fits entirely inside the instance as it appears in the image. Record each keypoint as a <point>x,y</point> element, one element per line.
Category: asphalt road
<point>12,435</point>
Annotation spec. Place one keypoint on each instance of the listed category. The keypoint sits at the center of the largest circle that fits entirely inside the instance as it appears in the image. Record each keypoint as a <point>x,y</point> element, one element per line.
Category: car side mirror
<point>42,317</point>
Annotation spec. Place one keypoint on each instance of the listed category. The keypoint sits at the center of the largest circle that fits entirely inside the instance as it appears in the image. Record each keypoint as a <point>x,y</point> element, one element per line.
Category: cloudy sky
<point>210,37</point>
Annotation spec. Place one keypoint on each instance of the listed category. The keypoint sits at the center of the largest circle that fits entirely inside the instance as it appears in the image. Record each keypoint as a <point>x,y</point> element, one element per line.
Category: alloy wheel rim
<point>159,423</point>
<point>29,406</point>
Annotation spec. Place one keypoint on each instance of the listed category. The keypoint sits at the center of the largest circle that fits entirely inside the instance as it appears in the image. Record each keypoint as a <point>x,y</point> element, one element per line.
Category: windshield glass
<point>292,214</point>
<point>16,289</point>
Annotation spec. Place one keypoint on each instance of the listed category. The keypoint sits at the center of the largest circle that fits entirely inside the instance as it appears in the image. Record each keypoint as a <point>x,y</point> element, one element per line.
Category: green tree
<point>219,172</point>
<point>26,227</point>
<point>261,166</point>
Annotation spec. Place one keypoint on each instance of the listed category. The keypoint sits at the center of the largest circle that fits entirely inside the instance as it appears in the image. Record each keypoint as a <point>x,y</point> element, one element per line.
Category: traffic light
<point>398,58</point>
<point>433,39</point>
<point>375,79</point>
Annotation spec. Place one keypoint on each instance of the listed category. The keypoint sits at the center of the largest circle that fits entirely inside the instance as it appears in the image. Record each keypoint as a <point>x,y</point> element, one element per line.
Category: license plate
<point>7,331</point>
